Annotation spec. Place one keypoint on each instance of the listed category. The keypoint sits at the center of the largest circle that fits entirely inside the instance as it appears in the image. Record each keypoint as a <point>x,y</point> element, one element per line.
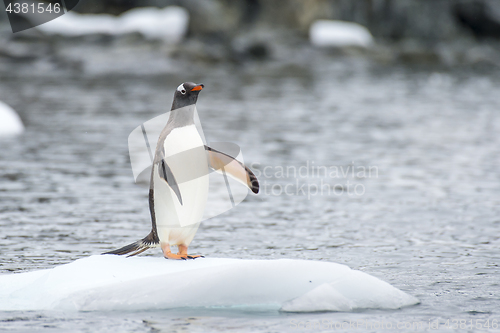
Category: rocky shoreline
<point>437,33</point>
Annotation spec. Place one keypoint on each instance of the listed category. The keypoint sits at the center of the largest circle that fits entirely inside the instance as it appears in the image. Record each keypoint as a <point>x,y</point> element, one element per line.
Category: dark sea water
<point>424,215</point>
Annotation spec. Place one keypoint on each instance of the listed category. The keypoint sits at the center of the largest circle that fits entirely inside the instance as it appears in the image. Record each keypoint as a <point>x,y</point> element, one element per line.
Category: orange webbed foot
<point>181,255</point>
<point>174,256</point>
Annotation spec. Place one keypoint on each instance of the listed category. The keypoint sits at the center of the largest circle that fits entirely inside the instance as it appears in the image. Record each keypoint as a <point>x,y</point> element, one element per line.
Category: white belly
<point>185,155</point>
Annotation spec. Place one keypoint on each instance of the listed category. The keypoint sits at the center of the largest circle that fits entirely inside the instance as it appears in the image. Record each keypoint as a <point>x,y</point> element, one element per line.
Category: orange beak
<point>198,87</point>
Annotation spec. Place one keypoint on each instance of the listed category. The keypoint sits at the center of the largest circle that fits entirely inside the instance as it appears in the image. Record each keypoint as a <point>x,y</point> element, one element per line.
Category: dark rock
<point>420,56</point>
<point>258,51</point>
<point>479,17</point>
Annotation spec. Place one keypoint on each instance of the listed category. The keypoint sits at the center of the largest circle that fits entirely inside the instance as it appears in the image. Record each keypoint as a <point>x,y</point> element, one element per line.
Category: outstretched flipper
<point>222,162</point>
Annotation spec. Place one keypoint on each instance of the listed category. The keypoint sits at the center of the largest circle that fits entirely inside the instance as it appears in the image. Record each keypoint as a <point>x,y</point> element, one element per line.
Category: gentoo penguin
<point>179,179</point>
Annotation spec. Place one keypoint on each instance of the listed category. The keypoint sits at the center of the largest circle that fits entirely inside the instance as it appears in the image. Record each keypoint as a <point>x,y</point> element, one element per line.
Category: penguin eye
<point>181,89</point>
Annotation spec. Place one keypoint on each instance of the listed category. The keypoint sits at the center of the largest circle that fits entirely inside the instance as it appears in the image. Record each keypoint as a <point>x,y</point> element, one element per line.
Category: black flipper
<point>144,244</point>
<point>166,174</point>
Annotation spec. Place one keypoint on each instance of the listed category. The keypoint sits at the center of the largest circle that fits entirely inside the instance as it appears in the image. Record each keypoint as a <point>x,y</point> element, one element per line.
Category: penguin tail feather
<point>140,246</point>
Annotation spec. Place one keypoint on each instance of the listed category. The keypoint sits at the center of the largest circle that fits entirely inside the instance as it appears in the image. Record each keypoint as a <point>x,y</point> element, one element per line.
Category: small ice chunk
<point>10,123</point>
<point>169,23</point>
<point>329,33</point>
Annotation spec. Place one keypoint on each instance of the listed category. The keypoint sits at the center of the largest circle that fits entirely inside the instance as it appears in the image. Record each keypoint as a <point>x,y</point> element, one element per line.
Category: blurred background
<point>409,88</point>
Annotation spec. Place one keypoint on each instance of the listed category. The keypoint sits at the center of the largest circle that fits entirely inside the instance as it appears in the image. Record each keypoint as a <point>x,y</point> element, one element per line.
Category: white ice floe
<point>10,123</point>
<point>328,33</point>
<point>169,23</point>
<point>110,282</point>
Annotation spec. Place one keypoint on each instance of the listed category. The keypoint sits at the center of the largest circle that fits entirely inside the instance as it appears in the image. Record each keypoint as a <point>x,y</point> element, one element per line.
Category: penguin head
<point>186,94</point>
